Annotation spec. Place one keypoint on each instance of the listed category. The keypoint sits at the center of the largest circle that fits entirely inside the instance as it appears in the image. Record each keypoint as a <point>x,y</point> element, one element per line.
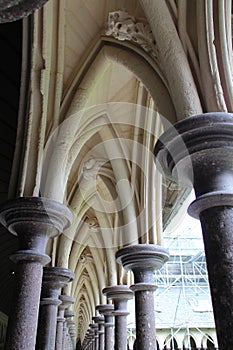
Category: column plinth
<point>34,220</point>
<point>199,151</point>
<point>106,310</point>
<point>120,295</point>
<point>143,260</point>
<point>54,279</point>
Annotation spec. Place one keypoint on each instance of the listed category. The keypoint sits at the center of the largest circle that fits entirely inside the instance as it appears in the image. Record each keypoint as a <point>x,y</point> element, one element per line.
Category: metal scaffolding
<point>183,301</point>
<point>183,308</point>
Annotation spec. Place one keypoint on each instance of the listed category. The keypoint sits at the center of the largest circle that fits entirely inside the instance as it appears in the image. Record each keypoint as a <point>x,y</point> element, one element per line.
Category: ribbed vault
<point>101,93</point>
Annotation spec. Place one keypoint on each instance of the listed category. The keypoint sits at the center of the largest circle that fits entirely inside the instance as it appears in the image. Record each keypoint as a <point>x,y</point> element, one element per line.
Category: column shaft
<point>199,151</point>
<point>219,258</point>
<point>54,279</point>
<point>120,295</point>
<point>145,320</point>
<point>66,302</point>
<point>143,260</point>
<point>106,310</point>
<point>26,309</point>
<point>109,332</point>
<point>120,325</point>
<point>59,333</point>
<point>34,220</point>
<point>101,336</point>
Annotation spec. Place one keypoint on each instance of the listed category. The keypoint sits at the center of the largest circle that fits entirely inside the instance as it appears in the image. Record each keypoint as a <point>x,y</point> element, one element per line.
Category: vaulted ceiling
<point>100,81</point>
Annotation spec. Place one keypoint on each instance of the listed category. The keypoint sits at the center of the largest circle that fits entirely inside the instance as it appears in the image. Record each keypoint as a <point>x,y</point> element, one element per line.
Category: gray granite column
<point>72,331</point>
<point>54,279</point>
<point>66,301</point>
<point>99,320</point>
<point>143,260</point>
<point>34,220</point>
<point>199,150</point>
<point>106,310</point>
<point>69,314</point>
<point>90,339</point>
<point>95,329</point>
<point>120,295</point>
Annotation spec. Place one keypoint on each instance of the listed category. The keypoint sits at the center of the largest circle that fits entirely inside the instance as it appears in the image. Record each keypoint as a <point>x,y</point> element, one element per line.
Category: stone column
<point>54,279</point>
<point>99,320</point>
<point>69,314</point>
<point>106,310</point>
<point>72,331</point>
<point>199,151</point>
<point>95,328</point>
<point>143,260</point>
<point>120,295</point>
<point>90,339</point>
<point>34,220</point>
<point>66,301</point>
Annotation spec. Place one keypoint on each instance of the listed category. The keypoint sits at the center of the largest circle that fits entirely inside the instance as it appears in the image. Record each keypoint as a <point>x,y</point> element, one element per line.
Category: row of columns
<point>40,315</point>
<point>198,151</point>
<point>104,333</point>
<point>35,220</point>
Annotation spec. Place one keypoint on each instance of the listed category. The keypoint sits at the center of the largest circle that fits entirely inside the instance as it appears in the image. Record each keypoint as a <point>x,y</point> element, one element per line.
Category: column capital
<point>66,300</point>
<point>29,213</point>
<point>69,313</point>
<point>54,278</point>
<point>12,11</point>
<point>120,295</point>
<point>105,309</point>
<point>198,151</point>
<point>93,326</point>
<point>98,319</point>
<point>118,292</point>
<point>142,257</point>
<point>34,220</point>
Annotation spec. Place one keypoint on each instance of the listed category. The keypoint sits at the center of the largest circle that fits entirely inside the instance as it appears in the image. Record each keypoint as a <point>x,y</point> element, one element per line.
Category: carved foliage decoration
<point>122,26</point>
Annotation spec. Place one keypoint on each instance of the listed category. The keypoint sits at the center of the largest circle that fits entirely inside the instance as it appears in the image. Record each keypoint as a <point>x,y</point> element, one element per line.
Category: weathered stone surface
<point>13,10</point>
<point>106,310</point>
<point>34,220</point>
<point>199,151</point>
<point>143,260</point>
<point>120,295</point>
<point>54,279</point>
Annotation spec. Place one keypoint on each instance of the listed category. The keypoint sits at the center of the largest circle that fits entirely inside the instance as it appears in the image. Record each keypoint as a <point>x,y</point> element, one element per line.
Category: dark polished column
<point>106,310</point>
<point>143,260</point>
<point>54,279</point>
<point>66,301</point>
<point>99,320</point>
<point>120,295</point>
<point>34,220</point>
<point>199,151</point>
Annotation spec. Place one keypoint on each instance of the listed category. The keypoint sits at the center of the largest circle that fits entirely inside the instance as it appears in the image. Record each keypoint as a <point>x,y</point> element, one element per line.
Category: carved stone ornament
<point>122,26</point>
<point>91,168</point>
